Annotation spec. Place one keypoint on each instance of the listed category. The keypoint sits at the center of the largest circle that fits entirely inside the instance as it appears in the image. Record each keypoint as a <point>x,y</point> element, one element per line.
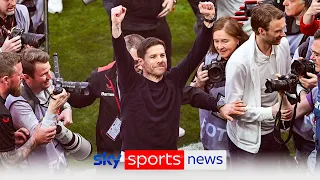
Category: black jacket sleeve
<point>81,101</point>
<point>199,99</point>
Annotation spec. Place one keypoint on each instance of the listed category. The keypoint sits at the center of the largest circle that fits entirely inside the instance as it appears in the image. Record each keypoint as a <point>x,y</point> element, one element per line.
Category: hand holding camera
<point>65,116</point>
<point>44,135</point>
<point>306,71</point>
<point>12,45</point>
<point>310,82</point>
<point>202,76</point>
<point>57,101</point>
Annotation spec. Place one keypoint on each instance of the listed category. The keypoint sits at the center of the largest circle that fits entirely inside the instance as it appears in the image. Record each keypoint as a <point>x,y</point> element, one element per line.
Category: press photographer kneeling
<point>38,105</point>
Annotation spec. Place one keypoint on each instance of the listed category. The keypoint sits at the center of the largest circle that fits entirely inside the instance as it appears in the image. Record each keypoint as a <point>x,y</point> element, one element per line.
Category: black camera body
<point>216,71</point>
<point>301,67</point>
<point>286,83</point>
<point>249,5</point>
<point>35,40</point>
<point>80,88</point>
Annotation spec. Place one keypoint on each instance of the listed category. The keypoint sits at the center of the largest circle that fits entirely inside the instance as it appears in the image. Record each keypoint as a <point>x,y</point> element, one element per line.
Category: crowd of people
<point>141,93</point>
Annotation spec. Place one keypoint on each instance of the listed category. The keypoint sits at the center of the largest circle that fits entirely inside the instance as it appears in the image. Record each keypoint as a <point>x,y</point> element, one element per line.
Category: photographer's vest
<point>50,156</point>
<point>213,132</point>
<point>317,114</point>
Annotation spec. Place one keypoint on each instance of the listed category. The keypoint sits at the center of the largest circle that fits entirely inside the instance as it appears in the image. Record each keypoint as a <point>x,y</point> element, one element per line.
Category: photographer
<point>302,127</point>
<point>37,105</point>
<point>307,105</point>
<point>10,156</point>
<point>12,15</point>
<point>251,136</point>
<point>227,37</point>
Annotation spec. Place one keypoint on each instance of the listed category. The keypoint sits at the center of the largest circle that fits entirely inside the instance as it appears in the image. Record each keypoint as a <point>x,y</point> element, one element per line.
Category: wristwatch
<point>220,103</point>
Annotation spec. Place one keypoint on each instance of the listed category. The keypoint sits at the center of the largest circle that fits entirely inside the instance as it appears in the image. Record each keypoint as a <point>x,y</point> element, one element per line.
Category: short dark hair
<point>317,34</point>
<point>263,15</point>
<point>146,44</point>
<point>7,62</point>
<point>32,56</point>
<point>133,41</point>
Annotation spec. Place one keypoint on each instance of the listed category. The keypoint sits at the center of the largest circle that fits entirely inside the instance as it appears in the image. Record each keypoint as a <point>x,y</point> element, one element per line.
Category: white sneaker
<point>55,6</point>
<point>181,132</point>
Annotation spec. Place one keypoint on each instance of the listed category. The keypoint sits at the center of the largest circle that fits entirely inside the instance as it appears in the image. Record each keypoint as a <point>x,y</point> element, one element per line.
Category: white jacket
<point>243,83</point>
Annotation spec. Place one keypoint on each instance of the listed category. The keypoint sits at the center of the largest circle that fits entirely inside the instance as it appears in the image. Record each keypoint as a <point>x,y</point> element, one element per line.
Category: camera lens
<point>297,68</point>
<point>216,74</point>
<point>35,40</point>
<point>269,85</point>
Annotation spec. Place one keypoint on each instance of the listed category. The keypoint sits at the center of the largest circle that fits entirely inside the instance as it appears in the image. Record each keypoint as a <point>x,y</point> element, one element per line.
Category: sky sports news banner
<point>157,164</point>
<point>165,160</point>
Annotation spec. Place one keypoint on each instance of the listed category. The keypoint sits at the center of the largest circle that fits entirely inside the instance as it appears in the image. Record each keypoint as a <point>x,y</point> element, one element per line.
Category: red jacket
<point>309,29</point>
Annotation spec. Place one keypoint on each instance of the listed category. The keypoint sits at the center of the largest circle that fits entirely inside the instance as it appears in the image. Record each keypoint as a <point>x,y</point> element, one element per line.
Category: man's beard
<point>15,91</point>
<point>10,13</point>
<point>273,41</point>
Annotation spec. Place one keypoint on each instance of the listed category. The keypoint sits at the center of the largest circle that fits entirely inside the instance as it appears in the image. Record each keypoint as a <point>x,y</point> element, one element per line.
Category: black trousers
<point>271,156</point>
<point>303,149</point>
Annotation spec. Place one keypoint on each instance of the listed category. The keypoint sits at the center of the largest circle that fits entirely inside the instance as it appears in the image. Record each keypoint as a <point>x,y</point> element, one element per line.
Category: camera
<point>286,83</point>
<point>248,6</point>
<point>301,67</point>
<point>251,4</point>
<point>80,88</point>
<point>216,71</point>
<point>73,143</point>
<point>35,40</point>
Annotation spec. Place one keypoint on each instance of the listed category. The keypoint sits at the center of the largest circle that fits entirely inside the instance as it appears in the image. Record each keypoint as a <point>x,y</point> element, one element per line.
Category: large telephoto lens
<point>34,40</point>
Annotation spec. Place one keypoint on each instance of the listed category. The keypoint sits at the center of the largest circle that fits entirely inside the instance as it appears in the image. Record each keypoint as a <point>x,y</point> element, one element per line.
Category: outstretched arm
<point>200,46</point>
<point>124,61</point>
<point>199,99</point>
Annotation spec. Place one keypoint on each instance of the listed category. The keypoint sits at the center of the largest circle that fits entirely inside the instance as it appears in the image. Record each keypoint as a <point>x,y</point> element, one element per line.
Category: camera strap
<point>278,122</point>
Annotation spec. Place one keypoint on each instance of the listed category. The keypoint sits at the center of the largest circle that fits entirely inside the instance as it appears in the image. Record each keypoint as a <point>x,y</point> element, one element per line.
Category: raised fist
<point>207,10</point>
<point>117,14</point>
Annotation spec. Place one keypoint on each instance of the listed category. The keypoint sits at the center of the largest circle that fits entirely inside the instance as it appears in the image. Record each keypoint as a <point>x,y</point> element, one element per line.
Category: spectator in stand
<point>309,23</point>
